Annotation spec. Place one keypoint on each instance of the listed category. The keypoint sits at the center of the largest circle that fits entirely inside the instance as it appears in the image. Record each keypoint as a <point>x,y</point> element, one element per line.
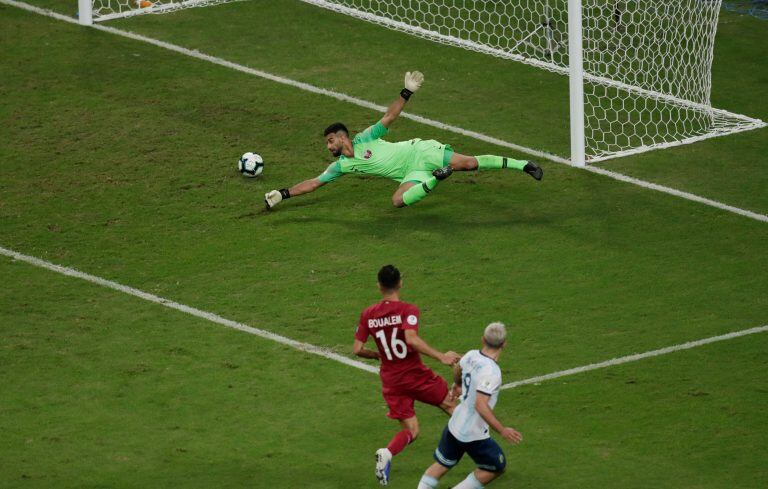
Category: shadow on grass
<point>419,220</point>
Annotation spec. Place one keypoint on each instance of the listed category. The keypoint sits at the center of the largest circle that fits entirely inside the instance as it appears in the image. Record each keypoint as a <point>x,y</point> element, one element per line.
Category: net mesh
<point>111,9</point>
<point>647,63</point>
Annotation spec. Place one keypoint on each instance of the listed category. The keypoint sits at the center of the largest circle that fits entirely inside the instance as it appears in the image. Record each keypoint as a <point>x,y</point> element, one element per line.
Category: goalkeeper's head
<point>335,134</point>
<point>389,279</point>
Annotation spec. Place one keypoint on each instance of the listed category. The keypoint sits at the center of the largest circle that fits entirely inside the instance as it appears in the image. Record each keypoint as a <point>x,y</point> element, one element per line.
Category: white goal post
<point>639,70</point>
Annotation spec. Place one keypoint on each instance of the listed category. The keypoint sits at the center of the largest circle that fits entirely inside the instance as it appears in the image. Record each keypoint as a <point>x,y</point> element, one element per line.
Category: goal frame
<point>576,83</point>
<point>577,78</point>
<point>723,122</point>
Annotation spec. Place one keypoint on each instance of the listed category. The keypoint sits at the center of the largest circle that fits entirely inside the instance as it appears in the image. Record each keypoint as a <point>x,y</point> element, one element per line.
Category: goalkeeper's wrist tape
<point>406,94</point>
<point>285,193</point>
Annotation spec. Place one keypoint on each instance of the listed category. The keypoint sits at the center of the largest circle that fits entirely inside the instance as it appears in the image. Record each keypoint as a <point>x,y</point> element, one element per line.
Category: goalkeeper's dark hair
<point>389,277</point>
<point>334,128</point>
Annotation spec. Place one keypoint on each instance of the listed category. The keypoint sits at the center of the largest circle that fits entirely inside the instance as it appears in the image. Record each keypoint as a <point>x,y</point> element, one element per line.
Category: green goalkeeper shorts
<point>429,155</point>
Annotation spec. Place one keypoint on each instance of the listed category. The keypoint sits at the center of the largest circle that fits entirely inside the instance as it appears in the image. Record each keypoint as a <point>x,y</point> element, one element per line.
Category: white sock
<point>427,482</point>
<point>470,482</point>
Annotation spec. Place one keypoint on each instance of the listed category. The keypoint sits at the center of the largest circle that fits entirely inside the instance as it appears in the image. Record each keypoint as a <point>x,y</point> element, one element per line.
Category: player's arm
<point>421,346</point>
<point>305,187</point>
<point>456,388</point>
<point>484,410</point>
<point>413,81</point>
<point>359,349</point>
<point>274,197</point>
<point>457,374</point>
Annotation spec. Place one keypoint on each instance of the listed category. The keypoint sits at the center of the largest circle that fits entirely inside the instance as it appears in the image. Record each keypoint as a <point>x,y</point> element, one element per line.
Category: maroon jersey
<point>386,322</point>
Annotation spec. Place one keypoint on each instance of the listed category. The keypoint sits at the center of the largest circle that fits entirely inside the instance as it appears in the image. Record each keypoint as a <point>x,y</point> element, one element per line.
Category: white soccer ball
<point>250,165</point>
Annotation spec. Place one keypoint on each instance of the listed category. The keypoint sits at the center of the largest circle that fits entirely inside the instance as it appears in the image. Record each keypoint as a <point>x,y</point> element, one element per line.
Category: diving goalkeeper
<point>417,165</point>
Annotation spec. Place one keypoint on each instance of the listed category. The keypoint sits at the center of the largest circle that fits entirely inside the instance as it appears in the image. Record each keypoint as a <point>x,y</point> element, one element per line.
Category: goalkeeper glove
<point>274,197</point>
<point>413,81</point>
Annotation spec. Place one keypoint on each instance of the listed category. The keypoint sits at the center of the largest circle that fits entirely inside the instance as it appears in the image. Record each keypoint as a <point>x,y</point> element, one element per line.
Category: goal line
<point>380,108</point>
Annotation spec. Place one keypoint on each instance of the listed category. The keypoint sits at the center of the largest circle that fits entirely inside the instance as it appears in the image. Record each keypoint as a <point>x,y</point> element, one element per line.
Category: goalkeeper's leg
<point>461,162</point>
<point>412,191</point>
<point>397,197</point>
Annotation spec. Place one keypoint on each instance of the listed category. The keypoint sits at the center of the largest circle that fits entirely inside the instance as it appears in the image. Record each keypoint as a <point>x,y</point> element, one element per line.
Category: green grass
<point>118,159</point>
<point>508,100</point>
<point>108,391</point>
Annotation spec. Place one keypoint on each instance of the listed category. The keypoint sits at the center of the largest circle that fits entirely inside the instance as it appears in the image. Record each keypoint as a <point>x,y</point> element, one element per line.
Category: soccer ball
<point>250,165</point>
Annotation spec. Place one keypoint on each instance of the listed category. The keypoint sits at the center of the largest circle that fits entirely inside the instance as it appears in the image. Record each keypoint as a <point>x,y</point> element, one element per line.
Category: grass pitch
<point>118,159</point>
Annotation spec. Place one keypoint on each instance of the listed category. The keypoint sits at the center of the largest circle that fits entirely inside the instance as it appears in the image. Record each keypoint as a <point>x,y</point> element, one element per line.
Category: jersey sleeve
<point>361,333</point>
<point>488,382</point>
<point>331,173</point>
<point>411,317</point>
<point>372,133</point>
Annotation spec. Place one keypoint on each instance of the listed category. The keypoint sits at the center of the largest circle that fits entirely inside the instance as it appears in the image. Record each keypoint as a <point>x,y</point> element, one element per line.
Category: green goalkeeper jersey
<point>373,156</point>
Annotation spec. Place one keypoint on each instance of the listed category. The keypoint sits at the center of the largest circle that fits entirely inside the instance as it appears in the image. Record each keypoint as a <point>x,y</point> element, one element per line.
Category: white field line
<point>363,103</point>
<point>757,124</point>
<point>324,352</point>
<point>380,108</point>
<point>636,357</point>
<point>305,347</point>
<point>677,193</point>
<point>287,81</point>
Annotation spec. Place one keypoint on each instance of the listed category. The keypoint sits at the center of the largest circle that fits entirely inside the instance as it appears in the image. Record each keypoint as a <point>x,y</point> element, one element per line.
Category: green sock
<point>418,192</point>
<point>491,162</point>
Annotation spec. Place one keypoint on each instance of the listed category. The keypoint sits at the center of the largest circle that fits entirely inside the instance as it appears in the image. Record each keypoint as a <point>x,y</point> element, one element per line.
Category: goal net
<point>100,10</point>
<point>645,70</point>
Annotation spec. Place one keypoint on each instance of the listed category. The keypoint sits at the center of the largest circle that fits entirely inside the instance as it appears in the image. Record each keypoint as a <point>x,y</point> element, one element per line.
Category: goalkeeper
<point>418,165</point>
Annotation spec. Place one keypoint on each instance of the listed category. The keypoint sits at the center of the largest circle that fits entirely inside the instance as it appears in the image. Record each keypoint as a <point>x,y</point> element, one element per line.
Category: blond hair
<point>495,334</point>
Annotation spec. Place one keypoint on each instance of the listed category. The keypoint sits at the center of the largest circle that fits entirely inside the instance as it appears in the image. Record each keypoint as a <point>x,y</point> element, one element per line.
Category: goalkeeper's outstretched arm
<point>274,197</point>
<point>413,81</point>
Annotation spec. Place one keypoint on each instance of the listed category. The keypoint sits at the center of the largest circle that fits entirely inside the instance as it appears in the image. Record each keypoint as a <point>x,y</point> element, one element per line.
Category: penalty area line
<point>380,108</point>
<point>636,357</point>
<point>215,318</point>
<point>326,353</point>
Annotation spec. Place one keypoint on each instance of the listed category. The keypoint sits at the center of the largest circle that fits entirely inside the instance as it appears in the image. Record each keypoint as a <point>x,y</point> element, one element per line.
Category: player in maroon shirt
<point>394,326</point>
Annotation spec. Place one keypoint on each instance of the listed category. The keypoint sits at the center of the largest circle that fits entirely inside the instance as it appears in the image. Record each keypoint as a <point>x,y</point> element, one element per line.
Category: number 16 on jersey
<point>395,344</point>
